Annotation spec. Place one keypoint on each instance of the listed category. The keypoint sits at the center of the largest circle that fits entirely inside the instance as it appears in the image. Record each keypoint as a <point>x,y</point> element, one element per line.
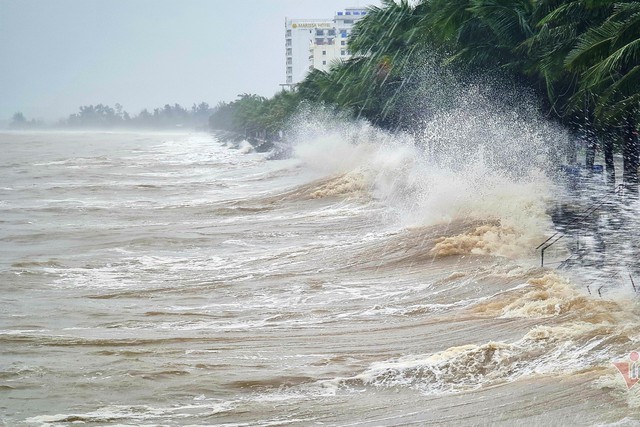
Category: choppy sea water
<point>169,279</point>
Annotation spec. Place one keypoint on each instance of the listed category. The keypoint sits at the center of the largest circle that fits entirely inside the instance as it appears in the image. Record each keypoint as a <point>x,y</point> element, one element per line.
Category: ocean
<point>162,279</point>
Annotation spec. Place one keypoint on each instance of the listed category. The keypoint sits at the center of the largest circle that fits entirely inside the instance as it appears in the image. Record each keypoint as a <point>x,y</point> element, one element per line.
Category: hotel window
<point>319,32</point>
<point>348,21</point>
<point>332,32</point>
<point>343,52</point>
<point>289,61</point>
<point>324,62</point>
<point>288,42</point>
<point>343,33</point>
<point>324,52</point>
<point>288,33</point>
<point>289,52</point>
<point>289,70</point>
<point>343,43</point>
<point>319,41</point>
<point>339,13</point>
<point>347,13</point>
<point>289,79</point>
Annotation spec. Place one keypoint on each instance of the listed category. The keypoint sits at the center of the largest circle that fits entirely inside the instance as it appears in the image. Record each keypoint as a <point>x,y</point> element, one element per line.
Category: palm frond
<point>592,46</point>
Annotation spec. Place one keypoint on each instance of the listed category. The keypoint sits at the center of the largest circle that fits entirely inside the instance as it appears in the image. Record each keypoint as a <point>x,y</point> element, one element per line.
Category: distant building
<point>316,43</point>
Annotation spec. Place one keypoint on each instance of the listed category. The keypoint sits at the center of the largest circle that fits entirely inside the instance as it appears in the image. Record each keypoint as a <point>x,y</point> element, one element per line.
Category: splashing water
<point>466,164</point>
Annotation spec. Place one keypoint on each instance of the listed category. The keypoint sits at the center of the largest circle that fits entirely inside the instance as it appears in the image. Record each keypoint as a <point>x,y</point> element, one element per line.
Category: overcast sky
<point>58,55</point>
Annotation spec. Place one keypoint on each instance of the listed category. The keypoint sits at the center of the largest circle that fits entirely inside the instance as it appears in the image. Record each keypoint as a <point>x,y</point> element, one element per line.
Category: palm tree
<point>558,25</point>
<point>389,31</point>
<point>368,84</point>
<point>387,46</point>
<point>480,34</point>
<point>607,58</point>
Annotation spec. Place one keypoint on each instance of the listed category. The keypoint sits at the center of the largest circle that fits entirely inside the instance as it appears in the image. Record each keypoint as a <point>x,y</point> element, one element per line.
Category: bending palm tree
<point>608,60</point>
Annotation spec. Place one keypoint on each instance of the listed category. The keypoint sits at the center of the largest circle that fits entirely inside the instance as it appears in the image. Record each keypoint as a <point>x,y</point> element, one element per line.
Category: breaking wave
<point>447,173</point>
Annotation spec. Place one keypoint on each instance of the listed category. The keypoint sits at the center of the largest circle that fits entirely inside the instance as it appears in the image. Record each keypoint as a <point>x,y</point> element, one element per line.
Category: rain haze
<point>314,213</point>
<point>59,55</point>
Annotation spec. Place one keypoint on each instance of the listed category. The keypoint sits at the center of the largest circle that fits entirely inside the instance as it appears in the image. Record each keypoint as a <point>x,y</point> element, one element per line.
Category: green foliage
<point>607,57</point>
<point>255,116</point>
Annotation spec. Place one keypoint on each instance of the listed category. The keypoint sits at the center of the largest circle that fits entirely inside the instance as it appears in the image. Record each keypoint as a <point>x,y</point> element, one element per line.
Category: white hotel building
<point>316,43</point>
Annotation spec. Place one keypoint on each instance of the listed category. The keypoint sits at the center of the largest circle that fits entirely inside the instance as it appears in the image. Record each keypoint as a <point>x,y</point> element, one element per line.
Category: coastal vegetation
<point>169,116</point>
<point>103,116</point>
<point>579,58</point>
<point>256,116</point>
<point>19,121</point>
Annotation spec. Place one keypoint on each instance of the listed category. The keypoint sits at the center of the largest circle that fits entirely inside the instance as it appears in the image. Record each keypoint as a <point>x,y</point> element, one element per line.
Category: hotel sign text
<point>312,25</point>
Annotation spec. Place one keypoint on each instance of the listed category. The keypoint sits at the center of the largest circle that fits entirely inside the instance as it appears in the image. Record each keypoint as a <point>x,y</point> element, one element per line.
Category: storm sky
<point>58,55</point>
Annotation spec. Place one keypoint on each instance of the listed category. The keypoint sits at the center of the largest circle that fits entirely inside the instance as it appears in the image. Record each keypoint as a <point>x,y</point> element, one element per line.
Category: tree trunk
<point>607,148</point>
<point>590,155</point>
<point>591,142</point>
<point>630,155</point>
<point>572,152</point>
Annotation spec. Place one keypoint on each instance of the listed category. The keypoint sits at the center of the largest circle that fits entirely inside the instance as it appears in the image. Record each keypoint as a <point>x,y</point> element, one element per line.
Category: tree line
<point>256,116</point>
<point>581,59</point>
<point>103,116</point>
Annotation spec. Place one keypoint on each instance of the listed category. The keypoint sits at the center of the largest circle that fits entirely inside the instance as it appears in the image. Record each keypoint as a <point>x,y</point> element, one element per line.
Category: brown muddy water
<point>168,279</point>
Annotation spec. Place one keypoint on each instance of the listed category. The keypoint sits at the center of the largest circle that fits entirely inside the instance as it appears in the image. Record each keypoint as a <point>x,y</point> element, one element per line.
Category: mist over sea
<point>369,279</point>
